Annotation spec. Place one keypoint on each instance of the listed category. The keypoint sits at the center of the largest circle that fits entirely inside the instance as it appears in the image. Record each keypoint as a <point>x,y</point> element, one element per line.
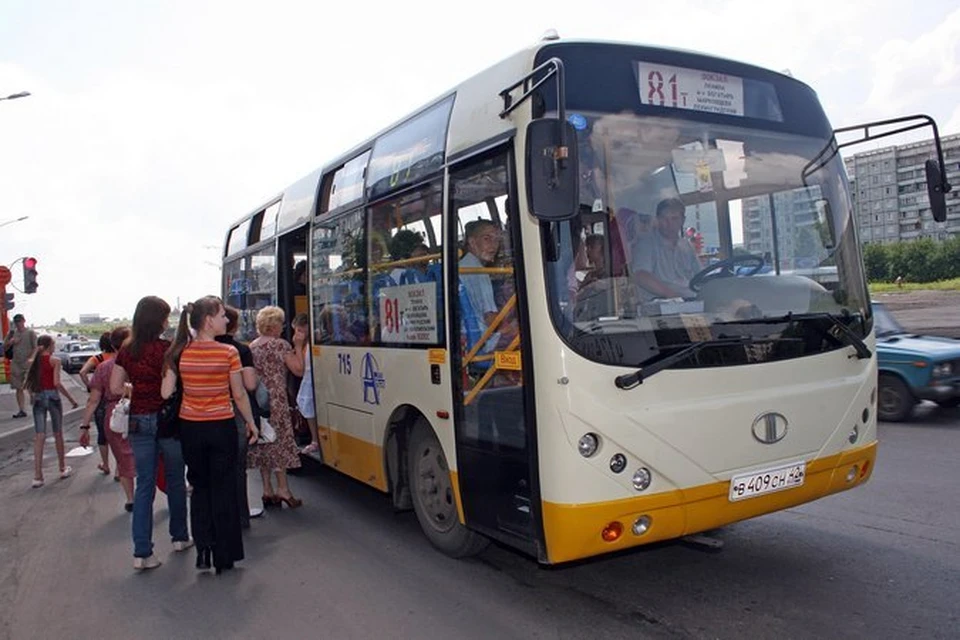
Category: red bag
<point>161,474</point>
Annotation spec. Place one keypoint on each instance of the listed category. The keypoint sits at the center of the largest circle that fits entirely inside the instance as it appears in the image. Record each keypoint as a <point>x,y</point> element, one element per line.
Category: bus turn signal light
<point>612,532</point>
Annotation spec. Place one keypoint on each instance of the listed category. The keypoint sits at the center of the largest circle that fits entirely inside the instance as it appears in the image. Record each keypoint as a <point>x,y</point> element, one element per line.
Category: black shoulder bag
<point>168,419</point>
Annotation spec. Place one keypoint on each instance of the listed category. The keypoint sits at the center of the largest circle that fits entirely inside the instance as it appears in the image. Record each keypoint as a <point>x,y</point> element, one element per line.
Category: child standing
<point>43,381</point>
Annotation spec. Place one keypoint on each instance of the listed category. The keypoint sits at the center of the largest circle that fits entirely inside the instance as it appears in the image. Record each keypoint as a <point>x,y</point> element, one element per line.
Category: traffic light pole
<point>4,320</point>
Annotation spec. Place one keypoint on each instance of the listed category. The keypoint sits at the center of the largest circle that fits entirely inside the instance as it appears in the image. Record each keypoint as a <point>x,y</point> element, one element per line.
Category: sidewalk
<point>14,430</point>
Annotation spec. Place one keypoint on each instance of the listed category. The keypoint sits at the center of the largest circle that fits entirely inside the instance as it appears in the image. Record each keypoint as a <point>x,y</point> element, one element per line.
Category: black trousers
<point>243,503</point>
<point>210,451</point>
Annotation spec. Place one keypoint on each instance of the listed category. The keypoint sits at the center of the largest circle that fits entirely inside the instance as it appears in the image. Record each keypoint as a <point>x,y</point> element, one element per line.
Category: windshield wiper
<point>631,380</point>
<point>855,341</point>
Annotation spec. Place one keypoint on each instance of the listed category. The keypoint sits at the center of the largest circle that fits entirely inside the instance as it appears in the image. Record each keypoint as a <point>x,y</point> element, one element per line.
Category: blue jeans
<point>44,402</point>
<point>146,448</point>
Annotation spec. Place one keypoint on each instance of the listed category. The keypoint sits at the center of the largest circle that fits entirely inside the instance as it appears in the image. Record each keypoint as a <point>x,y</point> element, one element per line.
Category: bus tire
<point>433,499</point>
<point>894,400</point>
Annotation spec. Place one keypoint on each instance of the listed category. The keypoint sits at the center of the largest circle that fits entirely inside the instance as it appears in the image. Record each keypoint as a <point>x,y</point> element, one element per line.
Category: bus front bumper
<point>575,531</point>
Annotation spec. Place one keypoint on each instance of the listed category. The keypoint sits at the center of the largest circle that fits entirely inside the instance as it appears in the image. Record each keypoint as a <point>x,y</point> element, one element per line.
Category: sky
<point>152,126</point>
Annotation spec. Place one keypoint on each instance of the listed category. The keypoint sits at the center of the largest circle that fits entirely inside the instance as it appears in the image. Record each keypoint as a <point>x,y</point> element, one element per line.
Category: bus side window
<point>338,281</point>
<point>405,269</point>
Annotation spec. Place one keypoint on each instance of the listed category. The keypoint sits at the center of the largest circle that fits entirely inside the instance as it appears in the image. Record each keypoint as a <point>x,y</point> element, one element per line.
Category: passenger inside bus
<point>665,261</point>
<point>479,301</point>
<point>300,278</point>
<point>596,258</point>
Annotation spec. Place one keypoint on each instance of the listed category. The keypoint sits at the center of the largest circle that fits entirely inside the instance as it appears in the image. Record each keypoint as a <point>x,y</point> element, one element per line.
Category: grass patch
<point>940,285</point>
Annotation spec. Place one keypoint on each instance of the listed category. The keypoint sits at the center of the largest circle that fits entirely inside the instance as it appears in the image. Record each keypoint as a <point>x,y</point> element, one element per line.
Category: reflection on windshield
<point>689,228</point>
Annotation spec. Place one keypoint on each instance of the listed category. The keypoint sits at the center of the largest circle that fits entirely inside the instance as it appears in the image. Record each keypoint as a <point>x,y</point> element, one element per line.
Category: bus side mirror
<point>826,225</point>
<point>935,190</point>
<point>553,175</point>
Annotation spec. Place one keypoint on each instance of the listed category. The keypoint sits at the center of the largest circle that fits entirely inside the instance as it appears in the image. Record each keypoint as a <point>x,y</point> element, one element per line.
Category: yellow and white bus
<point>564,305</point>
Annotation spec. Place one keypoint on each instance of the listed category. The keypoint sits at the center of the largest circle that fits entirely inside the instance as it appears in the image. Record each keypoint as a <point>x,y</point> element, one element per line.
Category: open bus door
<point>496,449</point>
<point>292,288</point>
<point>292,275</point>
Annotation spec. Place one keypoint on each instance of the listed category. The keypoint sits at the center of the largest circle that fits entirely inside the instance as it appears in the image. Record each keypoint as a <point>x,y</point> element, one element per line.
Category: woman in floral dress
<point>273,358</point>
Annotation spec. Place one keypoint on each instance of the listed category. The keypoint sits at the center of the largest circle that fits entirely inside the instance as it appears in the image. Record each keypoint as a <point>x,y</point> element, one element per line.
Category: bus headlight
<point>642,478</point>
<point>589,442</point>
<point>641,525</point>
<point>942,370</point>
<point>618,462</point>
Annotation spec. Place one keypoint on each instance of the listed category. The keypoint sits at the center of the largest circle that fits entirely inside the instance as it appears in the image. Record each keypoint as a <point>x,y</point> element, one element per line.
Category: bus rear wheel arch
<point>433,497</point>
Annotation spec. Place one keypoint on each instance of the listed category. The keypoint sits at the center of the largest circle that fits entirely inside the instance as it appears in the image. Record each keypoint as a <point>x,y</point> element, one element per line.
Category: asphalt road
<point>880,561</point>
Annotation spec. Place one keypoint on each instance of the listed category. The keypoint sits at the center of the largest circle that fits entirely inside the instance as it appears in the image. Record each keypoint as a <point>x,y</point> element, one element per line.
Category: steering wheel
<point>725,269</point>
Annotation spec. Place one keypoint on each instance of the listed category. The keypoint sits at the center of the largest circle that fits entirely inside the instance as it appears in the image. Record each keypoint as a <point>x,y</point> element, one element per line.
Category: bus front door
<point>493,443</point>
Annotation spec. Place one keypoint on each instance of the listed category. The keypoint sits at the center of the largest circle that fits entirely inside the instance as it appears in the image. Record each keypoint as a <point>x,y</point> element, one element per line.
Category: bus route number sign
<point>679,88</point>
<point>756,483</point>
<point>408,313</point>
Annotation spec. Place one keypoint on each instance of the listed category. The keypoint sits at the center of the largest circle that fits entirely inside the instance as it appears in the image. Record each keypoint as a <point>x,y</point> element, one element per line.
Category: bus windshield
<point>692,231</point>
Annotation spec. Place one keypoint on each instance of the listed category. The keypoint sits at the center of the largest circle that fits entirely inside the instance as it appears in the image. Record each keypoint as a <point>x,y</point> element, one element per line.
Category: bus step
<point>703,542</point>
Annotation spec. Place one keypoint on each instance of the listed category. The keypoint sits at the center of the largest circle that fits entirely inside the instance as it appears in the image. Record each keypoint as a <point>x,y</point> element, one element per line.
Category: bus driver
<point>664,261</point>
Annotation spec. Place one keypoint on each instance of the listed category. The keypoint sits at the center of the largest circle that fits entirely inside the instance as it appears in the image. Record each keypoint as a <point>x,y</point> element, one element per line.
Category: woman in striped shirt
<point>210,376</point>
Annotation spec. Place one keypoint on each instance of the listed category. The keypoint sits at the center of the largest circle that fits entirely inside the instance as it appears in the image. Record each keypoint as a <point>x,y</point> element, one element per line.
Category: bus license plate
<point>757,483</point>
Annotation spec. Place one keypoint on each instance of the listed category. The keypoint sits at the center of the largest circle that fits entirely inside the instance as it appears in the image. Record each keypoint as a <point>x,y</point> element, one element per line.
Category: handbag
<point>168,418</point>
<point>262,396</point>
<point>120,418</point>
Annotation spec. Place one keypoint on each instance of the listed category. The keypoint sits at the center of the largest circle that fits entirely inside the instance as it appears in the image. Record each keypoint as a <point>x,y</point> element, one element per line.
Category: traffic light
<point>29,275</point>
<point>8,302</point>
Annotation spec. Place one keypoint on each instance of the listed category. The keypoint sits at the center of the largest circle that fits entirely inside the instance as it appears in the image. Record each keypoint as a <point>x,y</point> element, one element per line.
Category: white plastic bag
<point>120,418</point>
<point>267,433</point>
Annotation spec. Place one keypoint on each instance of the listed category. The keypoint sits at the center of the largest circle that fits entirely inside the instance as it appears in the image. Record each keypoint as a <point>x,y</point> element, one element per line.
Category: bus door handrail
<point>482,382</point>
<point>490,330</point>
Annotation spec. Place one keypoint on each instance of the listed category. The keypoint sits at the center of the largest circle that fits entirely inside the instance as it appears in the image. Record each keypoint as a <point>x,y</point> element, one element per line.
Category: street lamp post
<point>14,96</point>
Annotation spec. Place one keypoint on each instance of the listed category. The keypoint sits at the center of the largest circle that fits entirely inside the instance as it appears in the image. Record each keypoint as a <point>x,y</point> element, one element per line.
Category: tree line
<point>922,260</point>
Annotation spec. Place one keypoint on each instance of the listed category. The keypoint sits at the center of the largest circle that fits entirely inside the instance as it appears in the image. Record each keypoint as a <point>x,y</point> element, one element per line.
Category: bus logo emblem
<point>373,380</point>
<point>770,428</point>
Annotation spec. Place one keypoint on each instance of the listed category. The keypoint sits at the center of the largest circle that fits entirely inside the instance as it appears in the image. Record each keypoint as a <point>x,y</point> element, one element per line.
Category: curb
<point>13,436</point>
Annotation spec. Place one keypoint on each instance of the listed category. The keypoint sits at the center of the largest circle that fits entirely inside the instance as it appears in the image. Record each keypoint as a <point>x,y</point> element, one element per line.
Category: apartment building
<point>889,192</point>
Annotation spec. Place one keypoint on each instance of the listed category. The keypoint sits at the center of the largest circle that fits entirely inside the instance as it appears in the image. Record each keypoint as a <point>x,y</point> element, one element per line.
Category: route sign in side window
<point>410,152</point>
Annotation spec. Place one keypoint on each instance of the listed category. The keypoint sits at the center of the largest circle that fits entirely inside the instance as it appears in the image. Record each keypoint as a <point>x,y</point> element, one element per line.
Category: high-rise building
<point>889,192</point>
<point>795,228</point>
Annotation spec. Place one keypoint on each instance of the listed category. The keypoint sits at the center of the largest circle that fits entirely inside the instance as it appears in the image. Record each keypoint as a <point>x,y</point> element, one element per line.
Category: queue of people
<point>206,380</point>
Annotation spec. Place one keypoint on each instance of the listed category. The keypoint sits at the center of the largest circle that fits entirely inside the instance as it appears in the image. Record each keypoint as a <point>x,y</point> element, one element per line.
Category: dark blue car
<point>913,368</point>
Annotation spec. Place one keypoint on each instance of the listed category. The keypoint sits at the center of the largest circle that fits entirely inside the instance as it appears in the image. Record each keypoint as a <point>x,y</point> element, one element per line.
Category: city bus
<point>568,305</point>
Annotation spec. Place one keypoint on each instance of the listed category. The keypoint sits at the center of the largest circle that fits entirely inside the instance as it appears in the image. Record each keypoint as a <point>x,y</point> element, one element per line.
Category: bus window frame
<point>436,183</point>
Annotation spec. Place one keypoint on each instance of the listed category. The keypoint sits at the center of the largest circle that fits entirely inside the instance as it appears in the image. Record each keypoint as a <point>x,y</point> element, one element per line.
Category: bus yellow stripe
<point>573,531</point>
<point>357,458</point>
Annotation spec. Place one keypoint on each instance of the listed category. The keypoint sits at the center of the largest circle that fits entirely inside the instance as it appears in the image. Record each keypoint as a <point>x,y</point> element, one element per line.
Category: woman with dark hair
<point>107,352</point>
<point>138,372</point>
<point>100,396</point>
<point>43,382</point>
<point>210,376</point>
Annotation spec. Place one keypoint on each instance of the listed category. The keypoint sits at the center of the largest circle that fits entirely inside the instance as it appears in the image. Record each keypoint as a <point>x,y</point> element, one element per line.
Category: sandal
<point>104,469</point>
<point>66,472</point>
<point>37,483</point>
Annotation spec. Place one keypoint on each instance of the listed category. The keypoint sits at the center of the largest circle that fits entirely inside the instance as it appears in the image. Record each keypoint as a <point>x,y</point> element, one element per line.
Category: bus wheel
<point>894,400</point>
<point>433,499</point>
